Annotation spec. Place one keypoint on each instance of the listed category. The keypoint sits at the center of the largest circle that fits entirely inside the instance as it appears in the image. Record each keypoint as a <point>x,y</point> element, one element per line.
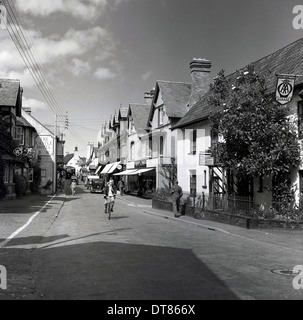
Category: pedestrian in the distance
<point>109,196</point>
<point>121,186</point>
<point>177,194</point>
<point>73,186</point>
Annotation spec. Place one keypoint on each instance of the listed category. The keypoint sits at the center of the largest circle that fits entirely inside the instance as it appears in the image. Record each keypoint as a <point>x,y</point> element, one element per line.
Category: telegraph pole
<point>55,156</point>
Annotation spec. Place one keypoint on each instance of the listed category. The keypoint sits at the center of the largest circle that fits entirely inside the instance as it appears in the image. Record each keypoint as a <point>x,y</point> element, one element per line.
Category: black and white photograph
<point>151,153</point>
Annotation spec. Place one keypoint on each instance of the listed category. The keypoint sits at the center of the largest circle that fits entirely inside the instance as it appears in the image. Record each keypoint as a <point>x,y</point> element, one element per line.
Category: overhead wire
<point>25,47</point>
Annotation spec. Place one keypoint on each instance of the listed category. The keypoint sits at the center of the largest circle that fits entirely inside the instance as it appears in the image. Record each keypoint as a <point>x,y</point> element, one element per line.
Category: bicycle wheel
<point>109,210</point>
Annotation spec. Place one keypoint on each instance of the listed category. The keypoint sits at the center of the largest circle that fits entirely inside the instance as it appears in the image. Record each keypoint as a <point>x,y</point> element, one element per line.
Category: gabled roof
<point>139,113</point>
<point>68,157</point>
<point>287,60</point>
<point>122,113</point>
<point>175,97</point>
<point>9,92</point>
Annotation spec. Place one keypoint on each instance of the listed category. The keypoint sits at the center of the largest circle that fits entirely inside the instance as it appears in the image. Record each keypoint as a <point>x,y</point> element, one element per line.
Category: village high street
<point>64,247</point>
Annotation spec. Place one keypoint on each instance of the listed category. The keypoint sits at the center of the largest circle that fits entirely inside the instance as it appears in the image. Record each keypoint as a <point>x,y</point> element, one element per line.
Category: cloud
<point>86,10</point>
<point>34,104</point>
<point>79,67</point>
<point>147,75</point>
<point>73,43</point>
<point>52,52</point>
<point>103,74</point>
<point>24,76</point>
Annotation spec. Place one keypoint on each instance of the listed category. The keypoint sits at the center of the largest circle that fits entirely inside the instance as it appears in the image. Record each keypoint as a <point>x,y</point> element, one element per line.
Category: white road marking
<point>13,235</point>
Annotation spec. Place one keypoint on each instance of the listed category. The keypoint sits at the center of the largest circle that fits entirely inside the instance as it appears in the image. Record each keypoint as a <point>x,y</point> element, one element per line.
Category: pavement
<point>285,238</point>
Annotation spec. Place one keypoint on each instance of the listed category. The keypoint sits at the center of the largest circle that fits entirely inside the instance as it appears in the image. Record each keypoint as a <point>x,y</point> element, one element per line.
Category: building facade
<point>201,173</point>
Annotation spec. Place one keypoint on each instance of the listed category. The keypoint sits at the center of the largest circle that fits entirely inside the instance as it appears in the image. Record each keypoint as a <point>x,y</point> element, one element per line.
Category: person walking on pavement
<point>121,186</point>
<point>73,186</point>
<point>177,194</point>
<point>109,195</point>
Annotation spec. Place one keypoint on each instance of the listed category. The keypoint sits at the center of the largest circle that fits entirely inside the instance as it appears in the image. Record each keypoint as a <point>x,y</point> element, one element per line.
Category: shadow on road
<point>113,271</point>
<point>107,270</point>
<point>32,240</point>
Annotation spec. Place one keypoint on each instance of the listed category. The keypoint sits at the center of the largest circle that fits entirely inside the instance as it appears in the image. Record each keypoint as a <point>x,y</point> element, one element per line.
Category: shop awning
<point>113,167</point>
<point>98,170</point>
<point>106,168</point>
<point>144,170</point>
<point>132,172</point>
<point>109,168</point>
<point>128,172</point>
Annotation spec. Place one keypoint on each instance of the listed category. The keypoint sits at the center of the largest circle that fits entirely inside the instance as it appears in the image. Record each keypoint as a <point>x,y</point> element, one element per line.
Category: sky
<point>99,55</point>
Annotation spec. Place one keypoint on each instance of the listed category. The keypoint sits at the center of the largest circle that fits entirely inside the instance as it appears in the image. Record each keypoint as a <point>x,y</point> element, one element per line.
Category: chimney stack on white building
<point>200,75</point>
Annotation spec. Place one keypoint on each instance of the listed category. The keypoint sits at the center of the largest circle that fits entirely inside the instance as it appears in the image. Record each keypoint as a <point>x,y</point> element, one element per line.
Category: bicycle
<point>109,210</point>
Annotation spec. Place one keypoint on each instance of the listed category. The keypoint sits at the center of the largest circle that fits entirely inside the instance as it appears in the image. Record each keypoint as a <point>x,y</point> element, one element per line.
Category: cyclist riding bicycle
<point>110,192</point>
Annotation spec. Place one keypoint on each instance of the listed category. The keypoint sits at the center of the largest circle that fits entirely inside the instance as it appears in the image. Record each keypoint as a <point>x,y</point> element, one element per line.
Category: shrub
<point>162,194</point>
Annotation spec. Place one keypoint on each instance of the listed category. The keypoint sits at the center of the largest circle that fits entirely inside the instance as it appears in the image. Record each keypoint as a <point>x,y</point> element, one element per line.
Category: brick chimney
<point>200,75</point>
<point>148,96</point>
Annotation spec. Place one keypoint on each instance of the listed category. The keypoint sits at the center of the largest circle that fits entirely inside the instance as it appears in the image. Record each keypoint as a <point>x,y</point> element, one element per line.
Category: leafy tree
<point>257,136</point>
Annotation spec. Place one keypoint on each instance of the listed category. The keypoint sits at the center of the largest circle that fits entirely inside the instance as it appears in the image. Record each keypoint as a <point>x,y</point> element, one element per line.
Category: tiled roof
<point>23,122</point>
<point>140,114</point>
<point>9,92</point>
<point>175,96</point>
<point>68,157</point>
<point>288,60</point>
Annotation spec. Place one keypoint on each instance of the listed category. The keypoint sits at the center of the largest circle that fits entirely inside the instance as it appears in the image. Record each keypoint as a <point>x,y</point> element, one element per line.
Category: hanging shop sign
<point>205,159</point>
<point>285,88</point>
<point>21,151</point>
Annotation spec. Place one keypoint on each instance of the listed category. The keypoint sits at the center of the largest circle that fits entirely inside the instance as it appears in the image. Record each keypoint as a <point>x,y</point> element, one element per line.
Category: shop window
<point>193,184</point>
